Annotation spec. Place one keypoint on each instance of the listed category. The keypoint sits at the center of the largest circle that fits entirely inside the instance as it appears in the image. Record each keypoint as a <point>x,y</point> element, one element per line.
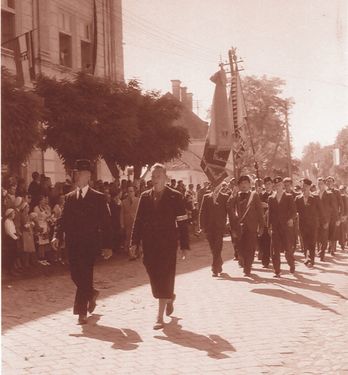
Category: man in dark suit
<point>281,221</point>
<point>160,221</point>
<point>86,223</point>
<point>335,220</point>
<point>343,226</point>
<point>212,219</point>
<point>310,216</point>
<point>247,221</point>
<point>327,200</point>
<point>265,239</point>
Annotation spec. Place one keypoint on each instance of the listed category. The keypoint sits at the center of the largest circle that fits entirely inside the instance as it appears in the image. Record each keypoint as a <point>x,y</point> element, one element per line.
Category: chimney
<point>183,92</point>
<point>176,88</point>
<point>189,101</point>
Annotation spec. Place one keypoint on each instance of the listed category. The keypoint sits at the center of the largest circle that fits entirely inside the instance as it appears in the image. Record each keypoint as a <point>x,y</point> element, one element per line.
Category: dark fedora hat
<point>82,165</point>
<point>277,179</point>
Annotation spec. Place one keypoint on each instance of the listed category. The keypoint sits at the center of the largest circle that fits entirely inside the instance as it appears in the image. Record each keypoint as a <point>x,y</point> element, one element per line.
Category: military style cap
<point>287,179</point>
<point>307,181</point>
<point>83,165</point>
<point>329,178</point>
<point>243,178</point>
<point>267,179</point>
<point>277,179</point>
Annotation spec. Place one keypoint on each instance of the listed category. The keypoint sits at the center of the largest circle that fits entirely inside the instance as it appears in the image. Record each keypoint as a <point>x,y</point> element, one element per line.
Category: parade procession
<point>155,231</point>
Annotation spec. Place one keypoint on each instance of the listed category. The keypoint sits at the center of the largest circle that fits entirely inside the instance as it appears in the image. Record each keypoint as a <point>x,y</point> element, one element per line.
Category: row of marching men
<point>273,218</point>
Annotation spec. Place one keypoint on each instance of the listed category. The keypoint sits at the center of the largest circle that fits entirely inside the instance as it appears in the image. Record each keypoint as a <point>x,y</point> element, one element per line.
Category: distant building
<point>66,36</point>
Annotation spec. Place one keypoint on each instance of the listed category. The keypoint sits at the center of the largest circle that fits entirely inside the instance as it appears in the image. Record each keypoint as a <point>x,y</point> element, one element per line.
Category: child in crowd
<point>56,214</point>
<point>28,225</point>
<point>44,216</point>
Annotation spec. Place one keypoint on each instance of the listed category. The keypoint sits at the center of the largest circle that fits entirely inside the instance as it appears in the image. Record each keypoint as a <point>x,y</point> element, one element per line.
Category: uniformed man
<point>86,223</point>
<point>327,200</point>
<point>310,216</point>
<point>335,221</point>
<point>281,213</point>
<point>288,187</point>
<point>265,239</point>
<point>343,226</point>
<point>213,219</point>
<point>246,217</point>
<point>161,215</point>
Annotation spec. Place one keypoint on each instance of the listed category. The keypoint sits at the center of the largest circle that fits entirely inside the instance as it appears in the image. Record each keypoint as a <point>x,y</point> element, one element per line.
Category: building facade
<point>66,37</point>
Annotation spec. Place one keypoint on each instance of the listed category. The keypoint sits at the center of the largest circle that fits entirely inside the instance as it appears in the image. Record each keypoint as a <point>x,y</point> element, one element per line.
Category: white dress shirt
<point>84,191</point>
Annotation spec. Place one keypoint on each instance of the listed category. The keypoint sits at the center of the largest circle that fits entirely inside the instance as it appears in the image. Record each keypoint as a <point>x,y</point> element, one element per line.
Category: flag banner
<point>24,55</point>
<point>239,118</point>
<point>219,139</point>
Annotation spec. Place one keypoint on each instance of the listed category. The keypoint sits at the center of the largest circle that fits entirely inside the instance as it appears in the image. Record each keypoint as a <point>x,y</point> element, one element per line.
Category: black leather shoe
<point>82,320</point>
<point>292,269</point>
<point>170,306</point>
<point>215,274</point>
<point>277,275</point>
<point>93,302</point>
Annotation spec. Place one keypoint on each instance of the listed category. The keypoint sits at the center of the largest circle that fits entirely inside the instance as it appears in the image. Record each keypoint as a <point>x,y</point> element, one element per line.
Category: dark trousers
<point>309,239</point>
<point>246,249</point>
<point>81,270</point>
<point>265,247</point>
<point>215,239</point>
<point>282,240</point>
<point>323,235</point>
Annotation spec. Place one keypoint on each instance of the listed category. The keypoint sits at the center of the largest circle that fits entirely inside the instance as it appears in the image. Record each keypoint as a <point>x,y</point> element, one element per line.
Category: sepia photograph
<point>174,187</point>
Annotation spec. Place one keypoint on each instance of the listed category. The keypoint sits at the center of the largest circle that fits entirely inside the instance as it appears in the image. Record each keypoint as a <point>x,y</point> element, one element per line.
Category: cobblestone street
<point>229,325</point>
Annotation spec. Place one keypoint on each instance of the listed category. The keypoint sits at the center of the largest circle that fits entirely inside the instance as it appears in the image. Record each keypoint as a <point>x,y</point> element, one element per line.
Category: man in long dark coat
<point>246,217</point>
<point>310,212</point>
<point>160,218</point>
<point>212,220</point>
<point>282,212</point>
<point>86,223</point>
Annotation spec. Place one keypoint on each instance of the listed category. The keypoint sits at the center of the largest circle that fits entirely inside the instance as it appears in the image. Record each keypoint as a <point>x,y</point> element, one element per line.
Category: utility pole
<point>288,140</point>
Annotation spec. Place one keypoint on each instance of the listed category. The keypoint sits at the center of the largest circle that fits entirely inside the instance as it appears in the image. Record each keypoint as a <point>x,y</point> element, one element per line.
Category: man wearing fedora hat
<point>86,223</point>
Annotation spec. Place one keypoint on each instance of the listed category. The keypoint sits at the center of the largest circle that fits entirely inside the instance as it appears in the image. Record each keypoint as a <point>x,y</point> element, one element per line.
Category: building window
<point>8,4</point>
<point>85,30</point>
<point>65,50</point>
<point>8,28</point>
<point>64,22</point>
<point>86,56</point>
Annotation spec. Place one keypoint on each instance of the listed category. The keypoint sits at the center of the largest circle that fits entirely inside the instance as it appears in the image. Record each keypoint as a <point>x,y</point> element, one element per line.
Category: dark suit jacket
<point>329,206</point>
<point>159,226</point>
<point>253,219</point>
<point>282,212</point>
<point>338,202</point>
<point>310,213</point>
<point>86,223</point>
<point>213,215</point>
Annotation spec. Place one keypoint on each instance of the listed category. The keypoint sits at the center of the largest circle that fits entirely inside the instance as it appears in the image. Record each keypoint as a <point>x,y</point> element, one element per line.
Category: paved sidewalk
<point>230,325</point>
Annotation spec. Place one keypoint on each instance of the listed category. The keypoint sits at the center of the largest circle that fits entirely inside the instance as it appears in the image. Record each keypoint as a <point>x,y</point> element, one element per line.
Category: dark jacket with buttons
<point>213,215</point>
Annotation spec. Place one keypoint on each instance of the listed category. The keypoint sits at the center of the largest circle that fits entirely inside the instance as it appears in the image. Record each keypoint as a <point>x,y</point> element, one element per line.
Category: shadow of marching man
<point>122,338</point>
<point>214,345</point>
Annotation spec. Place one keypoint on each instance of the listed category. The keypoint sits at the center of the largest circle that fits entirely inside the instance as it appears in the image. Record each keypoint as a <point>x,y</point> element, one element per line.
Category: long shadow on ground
<point>34,298</point>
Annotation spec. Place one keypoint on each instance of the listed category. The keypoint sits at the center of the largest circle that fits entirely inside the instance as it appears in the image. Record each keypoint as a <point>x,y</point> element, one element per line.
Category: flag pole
<point>234,70</point>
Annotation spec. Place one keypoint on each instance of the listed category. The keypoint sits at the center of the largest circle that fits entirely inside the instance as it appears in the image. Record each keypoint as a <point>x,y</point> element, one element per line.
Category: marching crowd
<point>271,216</point>
<point>268,216</point>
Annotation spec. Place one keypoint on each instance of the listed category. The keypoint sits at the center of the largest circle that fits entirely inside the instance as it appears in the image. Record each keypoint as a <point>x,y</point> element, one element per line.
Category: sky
<point>304,42</point>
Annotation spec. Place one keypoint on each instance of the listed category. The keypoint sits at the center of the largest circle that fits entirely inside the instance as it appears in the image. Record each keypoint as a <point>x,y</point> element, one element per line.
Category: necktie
<point>80,195</point>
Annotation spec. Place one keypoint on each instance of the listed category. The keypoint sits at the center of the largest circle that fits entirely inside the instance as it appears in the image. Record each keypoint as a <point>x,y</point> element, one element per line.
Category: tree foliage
<point>93,118</point>
<point>21,114</point>
<point>342,144</point>
<point>266,119</point>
